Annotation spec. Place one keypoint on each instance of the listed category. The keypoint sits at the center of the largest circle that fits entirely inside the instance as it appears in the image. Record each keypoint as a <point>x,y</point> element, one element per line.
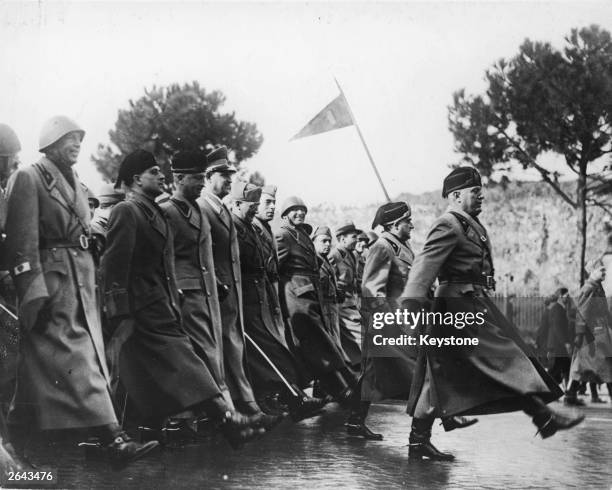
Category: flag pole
<point>363,142</point>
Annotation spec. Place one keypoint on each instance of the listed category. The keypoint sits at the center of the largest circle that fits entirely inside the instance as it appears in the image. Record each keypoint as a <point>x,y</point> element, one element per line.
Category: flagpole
<point>363,142</point>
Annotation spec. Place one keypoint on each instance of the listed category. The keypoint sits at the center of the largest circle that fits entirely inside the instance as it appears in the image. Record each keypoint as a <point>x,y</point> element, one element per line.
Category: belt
<point>482,280</point>
<point>82,243</point>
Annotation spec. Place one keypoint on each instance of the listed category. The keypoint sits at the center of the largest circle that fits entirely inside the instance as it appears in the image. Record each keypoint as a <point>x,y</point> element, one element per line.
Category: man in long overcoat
<point>300,294</point>
<point>330,294</point>
<point>468,378</point>
<point>194,266</point>
<point>226,256</point>
<point>344,262</point>
<point>157,362</point>
<point>62,380</point>
<point>259,318</point>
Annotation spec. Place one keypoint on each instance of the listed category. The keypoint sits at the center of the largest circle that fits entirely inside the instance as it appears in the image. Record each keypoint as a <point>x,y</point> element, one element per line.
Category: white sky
<point>399,64</point>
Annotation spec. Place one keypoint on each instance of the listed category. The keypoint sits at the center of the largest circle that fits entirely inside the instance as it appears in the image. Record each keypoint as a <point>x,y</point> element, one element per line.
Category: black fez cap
<point>218,162</point>
<point>461,178</point>
<point>347,228</point>
<point>134,164</point>
<point>188,162</point>
<point>391,212</point>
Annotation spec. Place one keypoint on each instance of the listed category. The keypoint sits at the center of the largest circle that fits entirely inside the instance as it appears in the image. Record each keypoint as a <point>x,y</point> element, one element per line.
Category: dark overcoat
<point>345,267</point>
<point>497,374</point>
<point>226,257</point>
<point>384,277</point>
<point>300,296</point>
<point>63,379</point>
<point>271,258</point>
<point>195,279</point>
<point>329,299</point>
<point>259,318</point>
<point>157,363</point>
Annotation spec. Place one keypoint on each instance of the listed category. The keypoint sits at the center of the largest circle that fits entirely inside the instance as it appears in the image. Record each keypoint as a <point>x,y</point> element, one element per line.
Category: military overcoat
<point>195,279</point>
<point>300,296</point>
<point>497,374</point>
<point>345,267</point>
<point>226,255</point>
<point>63,378</point>
<point>384,277</point>
<point>157,363</point>
<point>259,318</point>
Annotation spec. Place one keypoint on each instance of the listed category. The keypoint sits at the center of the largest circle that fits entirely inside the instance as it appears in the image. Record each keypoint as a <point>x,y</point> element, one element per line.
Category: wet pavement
<point>499,452</point>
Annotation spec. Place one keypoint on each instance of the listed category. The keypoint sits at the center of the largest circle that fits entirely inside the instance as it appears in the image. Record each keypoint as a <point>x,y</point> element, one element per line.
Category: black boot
<point>123,450</point>
<point>571,395</point>
<point>303,406</point>
<point>239,429</point>
<point>452,423</point>
<point>549,422</point>
<point>420,442</point>
<point>355,425</point>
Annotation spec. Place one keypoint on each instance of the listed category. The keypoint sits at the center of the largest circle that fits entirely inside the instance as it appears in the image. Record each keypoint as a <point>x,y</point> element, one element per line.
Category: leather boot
<point>239,429</point>
<point>549,422</point>
<point>304,407</point>
<point>123,450</point>
<point>452,423</point>
<point>356,426</point>
<point>420,442</point>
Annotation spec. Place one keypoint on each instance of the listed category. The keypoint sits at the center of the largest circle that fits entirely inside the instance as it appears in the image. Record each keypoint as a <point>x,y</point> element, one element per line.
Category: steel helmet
<point>292,202</point>
<point>9,143</point>
<point>55,128</point>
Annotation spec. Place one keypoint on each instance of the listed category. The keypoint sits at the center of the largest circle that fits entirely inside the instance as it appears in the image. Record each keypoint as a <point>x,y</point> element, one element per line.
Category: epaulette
<point>464,223</point>
<point>47,177</point>
<point>394,246</point>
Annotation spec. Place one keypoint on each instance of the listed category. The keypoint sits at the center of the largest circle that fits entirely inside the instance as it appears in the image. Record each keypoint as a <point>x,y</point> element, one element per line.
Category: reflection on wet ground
<point>501,452</point>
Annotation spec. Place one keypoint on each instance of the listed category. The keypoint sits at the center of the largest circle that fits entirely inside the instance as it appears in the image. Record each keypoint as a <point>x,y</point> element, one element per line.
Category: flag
<point>335,115</point>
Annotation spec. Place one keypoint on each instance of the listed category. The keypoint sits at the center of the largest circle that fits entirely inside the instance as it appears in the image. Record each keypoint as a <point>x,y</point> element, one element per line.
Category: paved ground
<point>499,452</point>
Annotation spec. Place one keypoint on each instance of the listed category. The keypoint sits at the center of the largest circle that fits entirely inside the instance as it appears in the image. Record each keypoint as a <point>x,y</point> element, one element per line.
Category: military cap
<point>188,162</point>
<point>292,202</point>
<point>92,197</point>
<point>461,178</point>
<point>348,227</point>
<point>245,192</point>
<point>109,195</point>
<point>372,237</point>
<point>218,162</point>
<point>321,230</point>
<point>270,190</point>
<point>134,164</point>
<point>391,212</point>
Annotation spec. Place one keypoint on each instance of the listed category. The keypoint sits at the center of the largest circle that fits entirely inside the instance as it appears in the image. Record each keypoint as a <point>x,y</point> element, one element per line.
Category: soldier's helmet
<point>9,142</point>
<point>55,128</point>
<point>292,202</point>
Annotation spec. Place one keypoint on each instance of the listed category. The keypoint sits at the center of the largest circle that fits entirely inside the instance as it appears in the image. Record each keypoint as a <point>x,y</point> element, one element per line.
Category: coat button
<point>74,253</point>
<point>168,278</point>
<point>204,269</point>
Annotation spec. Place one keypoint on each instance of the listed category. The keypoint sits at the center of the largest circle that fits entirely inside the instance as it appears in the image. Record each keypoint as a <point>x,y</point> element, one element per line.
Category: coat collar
<point>301,237</point>
<point>402,250</point>
<point>187,210</point>
<point>59,189</point>
<point>220,210</point>
<point>476,225</point>
<point>151,211</point>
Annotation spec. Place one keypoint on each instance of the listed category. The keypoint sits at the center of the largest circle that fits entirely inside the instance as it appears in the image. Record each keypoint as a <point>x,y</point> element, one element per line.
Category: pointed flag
<point>335,115</point>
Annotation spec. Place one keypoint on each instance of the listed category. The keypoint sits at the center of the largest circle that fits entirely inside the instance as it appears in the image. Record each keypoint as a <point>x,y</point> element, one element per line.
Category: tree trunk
<point>582,217</point>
